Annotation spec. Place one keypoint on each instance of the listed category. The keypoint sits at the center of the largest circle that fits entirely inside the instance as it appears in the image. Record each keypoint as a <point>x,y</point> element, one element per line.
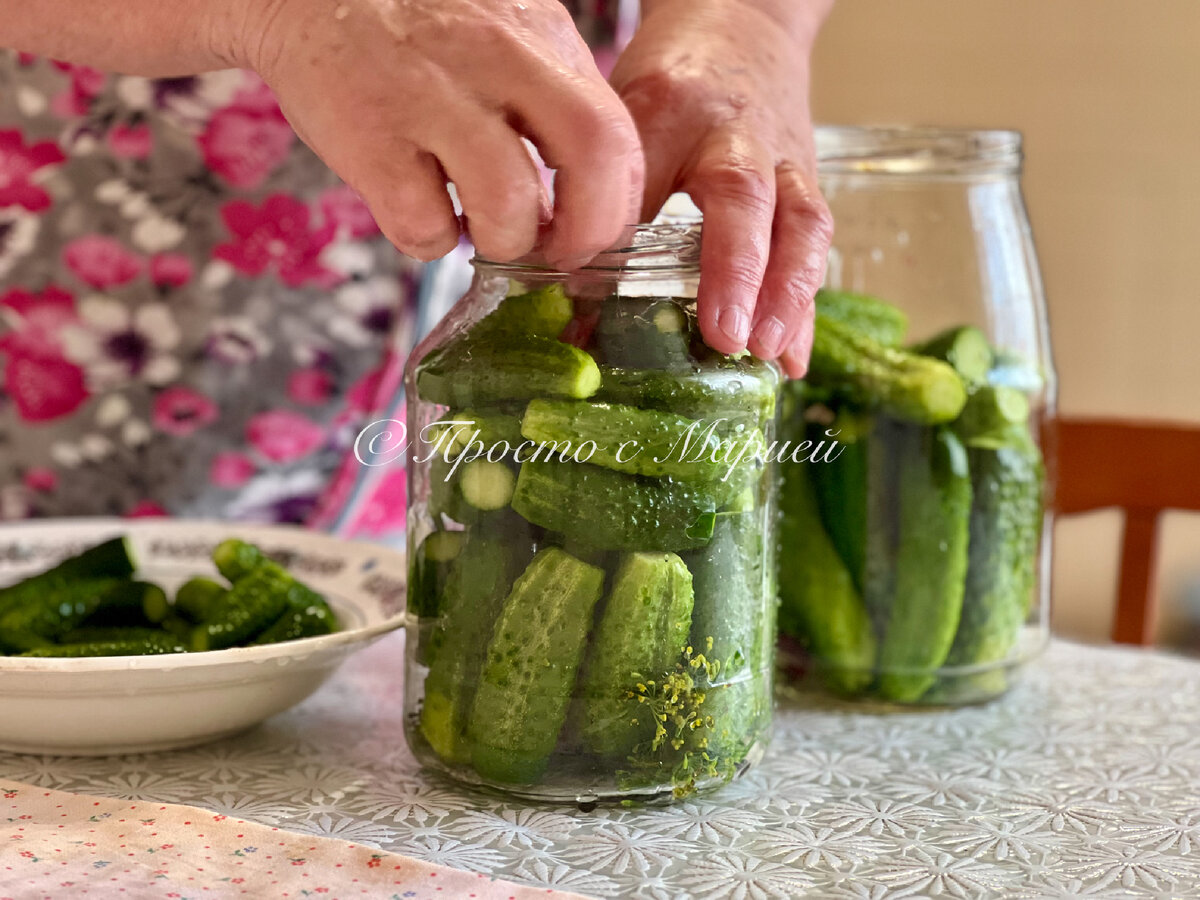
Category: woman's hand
<point>400,96</point>
<point>719,91</point>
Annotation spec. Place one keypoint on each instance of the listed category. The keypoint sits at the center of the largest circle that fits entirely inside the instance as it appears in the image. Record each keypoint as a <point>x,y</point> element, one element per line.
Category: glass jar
<point>915,545</point>
<point>591,534</point>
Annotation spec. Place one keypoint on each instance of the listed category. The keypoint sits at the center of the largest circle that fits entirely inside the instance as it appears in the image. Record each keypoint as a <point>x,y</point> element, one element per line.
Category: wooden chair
<point>1141,467</point>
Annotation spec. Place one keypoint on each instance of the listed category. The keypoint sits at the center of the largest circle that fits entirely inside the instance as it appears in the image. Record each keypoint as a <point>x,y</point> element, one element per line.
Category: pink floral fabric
<point>196,316</point>
<point>56,844</point>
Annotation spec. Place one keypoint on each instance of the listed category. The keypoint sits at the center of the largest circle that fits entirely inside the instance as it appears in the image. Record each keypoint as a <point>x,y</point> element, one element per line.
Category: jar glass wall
<point>915,549</point>
<point>591,534</point>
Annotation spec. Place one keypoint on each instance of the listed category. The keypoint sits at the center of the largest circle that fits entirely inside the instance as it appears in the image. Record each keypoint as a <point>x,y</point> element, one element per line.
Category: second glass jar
<point>915,544</point>
<point>591,534</point>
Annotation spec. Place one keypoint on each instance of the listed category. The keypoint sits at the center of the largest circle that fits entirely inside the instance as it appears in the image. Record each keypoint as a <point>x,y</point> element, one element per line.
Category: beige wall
<point>1107,93</point>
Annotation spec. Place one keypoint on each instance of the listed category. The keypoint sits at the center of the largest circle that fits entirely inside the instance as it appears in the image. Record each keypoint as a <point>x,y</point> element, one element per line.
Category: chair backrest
<point>1141,467</point>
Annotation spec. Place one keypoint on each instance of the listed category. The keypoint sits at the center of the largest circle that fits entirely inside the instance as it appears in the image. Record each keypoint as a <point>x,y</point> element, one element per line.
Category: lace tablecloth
<point>1086,779</point>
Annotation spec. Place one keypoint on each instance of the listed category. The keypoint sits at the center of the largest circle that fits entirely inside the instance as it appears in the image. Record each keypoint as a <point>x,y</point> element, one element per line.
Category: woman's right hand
<point>400,96</point>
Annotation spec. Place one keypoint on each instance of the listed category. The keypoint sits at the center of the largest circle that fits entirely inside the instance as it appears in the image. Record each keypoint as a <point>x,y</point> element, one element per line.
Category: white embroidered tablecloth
<point>1085,779</point>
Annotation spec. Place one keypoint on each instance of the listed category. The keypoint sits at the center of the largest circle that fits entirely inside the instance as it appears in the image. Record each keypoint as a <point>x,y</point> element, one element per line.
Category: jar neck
<point>643,253</point>
<point>917,153</point>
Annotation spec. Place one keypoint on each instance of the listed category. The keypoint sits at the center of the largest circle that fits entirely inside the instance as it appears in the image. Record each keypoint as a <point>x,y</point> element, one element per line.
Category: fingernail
<point>735,323</point>
<point>769,333</point>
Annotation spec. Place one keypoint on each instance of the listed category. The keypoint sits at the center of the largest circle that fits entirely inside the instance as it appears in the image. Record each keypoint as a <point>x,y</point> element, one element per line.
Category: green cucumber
<point>256,600</point>
<point>964,347</point>
<point>487,486</point>
<point>430,567</point>
<point>51,616</point>
<point>732,595</point>
<point>990,416</point>
<point>613,511</point>
<point>629,439</point>
<point>235,558</point>
<point>196,596</point>
<point>864,314</point>
<point>641,635</point>
<point>819,604</point>
<point>138,646</point>
<point>842,488</point>
<point>1005,530</point>
<point>526,684</point>
<point>155,605</point>
<point>110,559</point>
<point>911,387</point>
<point>931,562</point>
<point>484,429</point>
<point>543,311</point>
<point>641,332</point>
<point>300,619</point>
<point>506,367</point>
<point>739,391</point>
<point>479,579</point>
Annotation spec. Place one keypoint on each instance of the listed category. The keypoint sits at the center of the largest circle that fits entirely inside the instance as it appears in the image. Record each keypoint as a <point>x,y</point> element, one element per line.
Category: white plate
<point>132,704</point>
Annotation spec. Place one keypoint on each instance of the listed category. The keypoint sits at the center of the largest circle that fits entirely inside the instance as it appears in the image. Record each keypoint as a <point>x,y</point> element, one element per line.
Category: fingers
<point>496,180</point>
<point>588,137</point>
<point>800,238</point>
<point>733,183</point>
<point>407,196</point>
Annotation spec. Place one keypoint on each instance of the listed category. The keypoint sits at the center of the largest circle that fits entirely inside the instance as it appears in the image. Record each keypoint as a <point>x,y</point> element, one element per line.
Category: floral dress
<point>196,316</point>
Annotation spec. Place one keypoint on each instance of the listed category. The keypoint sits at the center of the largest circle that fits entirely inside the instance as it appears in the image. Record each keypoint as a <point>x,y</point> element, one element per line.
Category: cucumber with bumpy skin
<point>109,559</point>
<point>526,683</point>
<point>869,316</point>
<point>641,635</point>
<point>741,392</point>
<point>629,439</point>
<point>544,311</point>
<point>480,577</point>
<point>729,582</point>
<point>256,600</point>
<point>931,562</point>
<point>68,607</point>
<point>613,511</point>
<point>911,387</point>
<point>506,367</point>
<point>819,604</point>
<point>1005,528</point>
<point>300,619</point>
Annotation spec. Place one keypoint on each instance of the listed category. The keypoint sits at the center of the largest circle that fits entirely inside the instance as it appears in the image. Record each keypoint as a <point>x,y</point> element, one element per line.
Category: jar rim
<point>916,151</point>
<point>644,248</point>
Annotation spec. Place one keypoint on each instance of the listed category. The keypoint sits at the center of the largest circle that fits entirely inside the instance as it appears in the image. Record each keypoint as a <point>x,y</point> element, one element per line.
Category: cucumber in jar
<point>931,562</point>
<point>1005,529</point>
<point>641,634</point>
<point>533,657</point>
<point>613,511</point>
<point>479,578</point>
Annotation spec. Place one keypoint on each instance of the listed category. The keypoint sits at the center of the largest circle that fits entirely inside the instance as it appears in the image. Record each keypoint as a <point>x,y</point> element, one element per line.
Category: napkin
<point>55,844</point>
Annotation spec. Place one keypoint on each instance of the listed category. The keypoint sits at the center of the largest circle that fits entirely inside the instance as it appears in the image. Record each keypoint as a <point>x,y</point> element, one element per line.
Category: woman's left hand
<point>719,92</point>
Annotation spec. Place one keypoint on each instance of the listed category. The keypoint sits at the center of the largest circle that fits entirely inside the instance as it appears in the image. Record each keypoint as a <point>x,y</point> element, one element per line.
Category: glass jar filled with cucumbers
<point>915,545</point>
<point>591,534</point>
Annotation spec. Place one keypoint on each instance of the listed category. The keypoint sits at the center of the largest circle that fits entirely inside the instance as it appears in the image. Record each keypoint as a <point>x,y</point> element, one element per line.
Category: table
<point>1085,779</point>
